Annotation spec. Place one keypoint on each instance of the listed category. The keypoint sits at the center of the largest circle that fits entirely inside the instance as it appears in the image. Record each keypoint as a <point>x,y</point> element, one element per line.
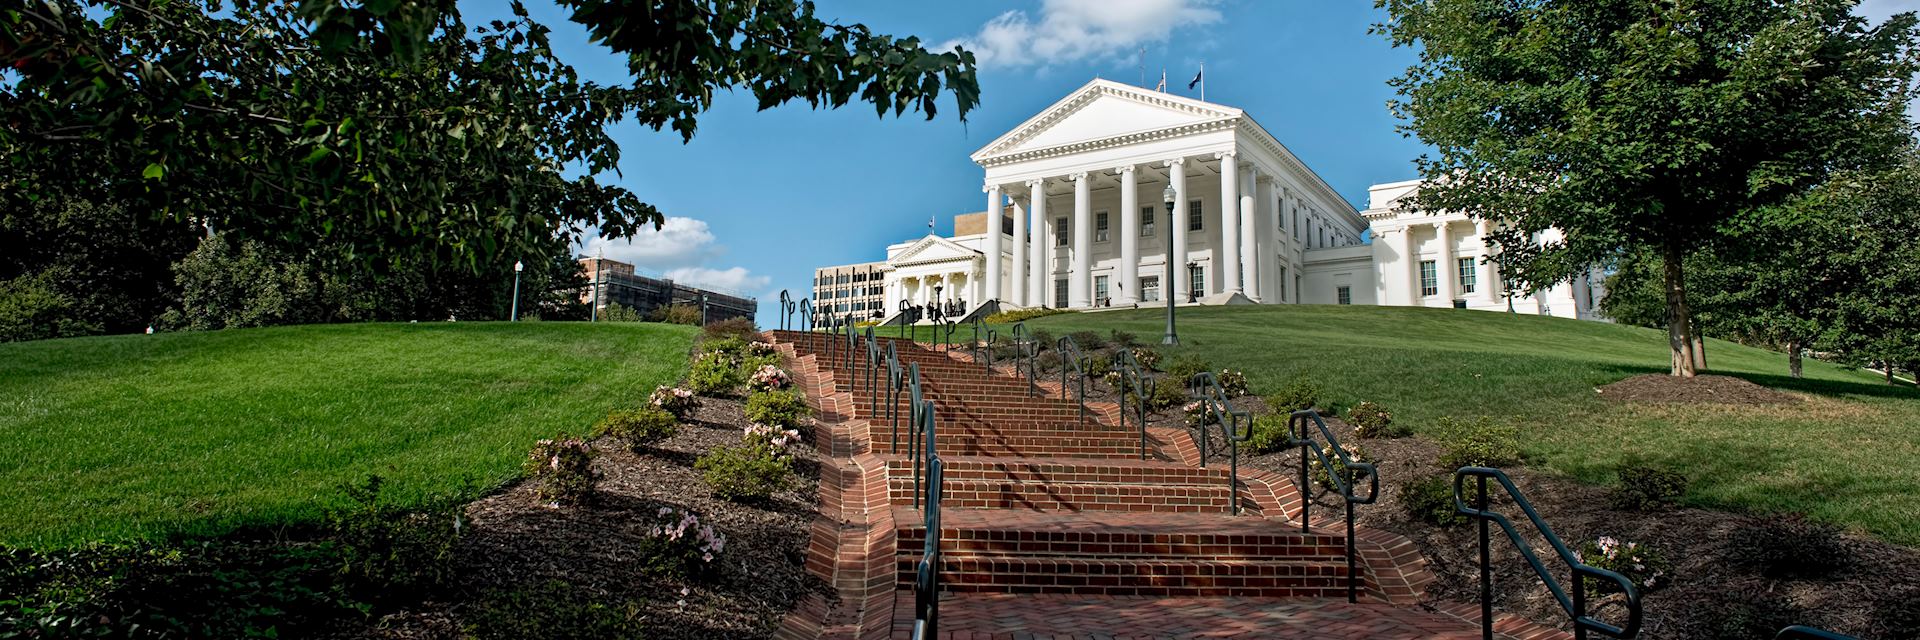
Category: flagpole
<point>1203,81</point>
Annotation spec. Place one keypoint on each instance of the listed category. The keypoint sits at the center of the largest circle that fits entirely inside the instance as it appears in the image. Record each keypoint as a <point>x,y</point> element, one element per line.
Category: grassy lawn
<point>1851,455</point>
<point>199,433</point>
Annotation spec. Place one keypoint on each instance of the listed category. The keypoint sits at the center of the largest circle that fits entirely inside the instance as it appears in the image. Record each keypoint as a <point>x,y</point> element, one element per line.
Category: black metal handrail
<point>1575,607</point>
<point>1134,378</point>
<point>1022,340</point>
<point>914,425</point>
<point>1801,632</point>
<point>1349,472</point>
<point>1213,402</point>
<point>1070,355</point>
<point>806,315</point>
<point>946,342</point>
<point>896,384</point>
<point>926,580</point>
<point>874,361</point>
<point>787,305</point>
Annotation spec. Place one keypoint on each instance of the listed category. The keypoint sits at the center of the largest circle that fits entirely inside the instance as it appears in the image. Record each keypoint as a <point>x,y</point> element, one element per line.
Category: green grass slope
<point>1849,455</point>
<point>198,433</point>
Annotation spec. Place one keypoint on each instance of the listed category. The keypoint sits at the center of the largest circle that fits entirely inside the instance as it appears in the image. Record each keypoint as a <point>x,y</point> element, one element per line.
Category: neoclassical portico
<point>1084,235</point>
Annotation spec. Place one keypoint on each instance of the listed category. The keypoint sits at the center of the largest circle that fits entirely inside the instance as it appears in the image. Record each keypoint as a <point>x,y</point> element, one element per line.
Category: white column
<point>1124,291</point>
<point>1037,289</point>
<point>1412,269</point>
<point>992,244</point>
<point>1177,175</point>
<point>1260,229</point>
<point>1249,261</point>
<point>1019,279</point>
<point>1080,277</point>
<point>1443,265</point>
<point>1229,260</point>
<point>1489,283</point>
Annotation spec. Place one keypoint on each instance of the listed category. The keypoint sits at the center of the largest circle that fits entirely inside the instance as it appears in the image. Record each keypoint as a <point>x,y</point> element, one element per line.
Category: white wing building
<point>1083,224</point>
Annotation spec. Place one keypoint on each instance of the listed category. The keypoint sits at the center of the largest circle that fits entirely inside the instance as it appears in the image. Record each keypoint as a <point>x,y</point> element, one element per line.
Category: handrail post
<point>1486,567</point>
<point>1306,490</point>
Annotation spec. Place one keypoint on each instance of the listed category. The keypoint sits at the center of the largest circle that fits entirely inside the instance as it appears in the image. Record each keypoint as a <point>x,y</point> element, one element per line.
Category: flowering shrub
<point>1430,500</point>
<point>713,374</point>
<point>776,438</point>
<point>1270,434</point>
<point>679,401</point>
<point>758,348</point>
<point>1233,382</point>
<point>562,471</point>
<point>1147,358</point>
<point>678,546</point>
<point>731,346</point>
<point>1299,393</point>
<point>1369,420</point>
<point>746,473</point>
<point>778,408</point>
<point>769,378</point>
<point>1478,443</point>
<point>1184,369</point>
<point>1115,381</point>
<point>1198,415</point>
<point>1349,476</point>
<point>639,428</point>
<point>1641,564</point>
<point>1644,488</point>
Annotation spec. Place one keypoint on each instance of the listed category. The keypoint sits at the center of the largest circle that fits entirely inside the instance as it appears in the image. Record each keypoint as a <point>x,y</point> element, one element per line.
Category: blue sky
<point>758,199</point>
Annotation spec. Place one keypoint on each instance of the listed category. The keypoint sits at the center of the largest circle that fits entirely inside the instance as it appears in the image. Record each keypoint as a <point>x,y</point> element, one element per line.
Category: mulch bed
<point>516,542</point>
<point>1660,388</point>
<point>1874,595</point>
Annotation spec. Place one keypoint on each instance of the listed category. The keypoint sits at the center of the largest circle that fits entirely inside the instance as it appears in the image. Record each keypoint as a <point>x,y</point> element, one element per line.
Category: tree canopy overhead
<point>1662,125</point>
<point>391,130</point>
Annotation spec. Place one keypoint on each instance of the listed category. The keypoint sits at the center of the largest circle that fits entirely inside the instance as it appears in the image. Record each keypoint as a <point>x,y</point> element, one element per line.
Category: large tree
<point>392,134</point>
<point>1641,124</point>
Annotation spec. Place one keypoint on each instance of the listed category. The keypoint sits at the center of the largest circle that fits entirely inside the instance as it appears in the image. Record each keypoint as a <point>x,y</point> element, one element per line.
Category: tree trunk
<point>1793,356</point>
<point>1888,368</point>
<point>1699,353</point>
<point>1679,327</point>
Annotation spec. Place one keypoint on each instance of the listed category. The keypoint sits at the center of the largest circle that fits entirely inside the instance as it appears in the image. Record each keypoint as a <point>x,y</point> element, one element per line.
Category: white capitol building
<point>1083,225</point>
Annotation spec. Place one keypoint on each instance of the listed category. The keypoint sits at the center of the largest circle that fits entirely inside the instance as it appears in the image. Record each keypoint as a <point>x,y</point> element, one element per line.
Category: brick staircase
<point>1044,497</point>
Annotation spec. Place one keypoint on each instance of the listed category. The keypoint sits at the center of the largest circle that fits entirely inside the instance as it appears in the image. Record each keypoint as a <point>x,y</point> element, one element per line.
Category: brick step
<point>995,432</point>
<point>1131,452</point>
<point>955,441</point>
<point>1066,470</point>
<point>991,422</point>
<point>1126,536</point>
<point>1266,579</point>
<point>1071,496</point>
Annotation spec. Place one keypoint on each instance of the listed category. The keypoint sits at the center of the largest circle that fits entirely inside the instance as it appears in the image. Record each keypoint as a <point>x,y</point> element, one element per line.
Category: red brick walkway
<point>1055,526</point>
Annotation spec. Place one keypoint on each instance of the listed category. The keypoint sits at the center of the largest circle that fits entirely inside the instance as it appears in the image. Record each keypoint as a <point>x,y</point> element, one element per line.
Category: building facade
<point>1098,194</point>
<point>855,290</point>
<point>611,282</point>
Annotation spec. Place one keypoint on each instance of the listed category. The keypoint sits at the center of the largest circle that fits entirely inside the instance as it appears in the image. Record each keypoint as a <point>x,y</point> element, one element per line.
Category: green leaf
<point>154,171</point>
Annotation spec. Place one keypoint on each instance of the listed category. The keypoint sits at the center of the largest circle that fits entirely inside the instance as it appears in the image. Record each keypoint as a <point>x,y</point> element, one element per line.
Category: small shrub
<point>758,349</point>
<point>1370,420</point>
<point>1121,339</point>
<point>713,374</point>
<point>680,402</point>
<point>1270,434</point>
<point>1043,338</point>
<point>769,378</point>
<point>1097,365</point>
<point>1115,381</point>
<point>1197,414</point>
<point>1790,546</point>
<point>1185,369</point>
<point>1019,315</point>
<point>741,329</point>
<point>776,438</point>
<point>555,610</point>
<point>782,409</point>
<point>1167,393</point>
<point>619,313</point>
<point>1645,488</point>
<point>1349,476</point>
<point>1147,358</point>
<point>751,364</point>
<point>1643,565</point>
<point>733,347</point>
<point>1745,614</point>
<point>638,428</point>
<point>744,473</point>
<point>391,551</point>
<point>686,314</point>
<point>1048,361</point>
<point>562,471</point>
<point>1088,340</point>
<point>1234,383</point>
<point>1299,393</point>
<point>678,546</point>
<point>1478,443</point>
<point>1430,500</point>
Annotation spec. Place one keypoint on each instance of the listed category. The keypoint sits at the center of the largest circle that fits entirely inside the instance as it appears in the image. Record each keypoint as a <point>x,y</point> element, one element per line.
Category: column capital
<point>1077,176</point>
<point>1036,185</point>
<point>1226,155</point>
<point>1174,162</point>
<point>1439,226</point>
<point>1123,170</point>
<point>990,188</point>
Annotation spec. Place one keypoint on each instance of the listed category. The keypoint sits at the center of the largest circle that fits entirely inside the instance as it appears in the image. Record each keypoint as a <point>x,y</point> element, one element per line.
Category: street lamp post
<point>514,316</point>
<point>1190,292</point>
<point>1167,288</point>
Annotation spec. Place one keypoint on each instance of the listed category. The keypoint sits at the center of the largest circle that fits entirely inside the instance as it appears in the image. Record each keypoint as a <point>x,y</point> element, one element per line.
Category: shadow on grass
<point>1830,388</point>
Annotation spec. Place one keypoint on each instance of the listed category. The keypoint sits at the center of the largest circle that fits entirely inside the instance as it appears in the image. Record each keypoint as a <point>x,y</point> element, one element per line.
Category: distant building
<point>615,282</point>
<point>856,290</point>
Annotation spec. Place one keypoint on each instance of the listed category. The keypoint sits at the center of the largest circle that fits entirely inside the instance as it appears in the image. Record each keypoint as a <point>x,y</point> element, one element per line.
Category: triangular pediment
<point>932,249</point>
<point>1100,110</point>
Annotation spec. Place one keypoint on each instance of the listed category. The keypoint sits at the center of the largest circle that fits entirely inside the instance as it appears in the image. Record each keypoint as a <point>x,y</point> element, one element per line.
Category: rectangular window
<point>1197,280</point>
<point>1345,294</point>
<point>1296,223</point>
<point>1100,227</point>
<point>1196,216</point>
<point>1429,280</point>
<point>1060,231</point>
<point>1100,290</point>
<point>1150,289</point>
<point>1146,222</point>
<point>1060,293</point>
<point>1468,268</point>
<point>1283,283</point>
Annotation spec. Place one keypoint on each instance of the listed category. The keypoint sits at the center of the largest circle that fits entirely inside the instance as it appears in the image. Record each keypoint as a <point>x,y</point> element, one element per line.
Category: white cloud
<point>1877,11</point>
<point>1076,30</point>
<point>732,280</point>
<point>679,242</point>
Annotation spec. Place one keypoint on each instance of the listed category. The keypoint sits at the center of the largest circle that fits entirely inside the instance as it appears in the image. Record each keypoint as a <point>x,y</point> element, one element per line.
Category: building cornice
<point>1093,90</point>
<point>1121,140</point>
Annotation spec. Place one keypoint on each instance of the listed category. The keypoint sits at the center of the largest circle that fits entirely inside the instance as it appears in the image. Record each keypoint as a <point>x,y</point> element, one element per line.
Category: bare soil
<point>1656,388</point>
<point>515,542</point>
